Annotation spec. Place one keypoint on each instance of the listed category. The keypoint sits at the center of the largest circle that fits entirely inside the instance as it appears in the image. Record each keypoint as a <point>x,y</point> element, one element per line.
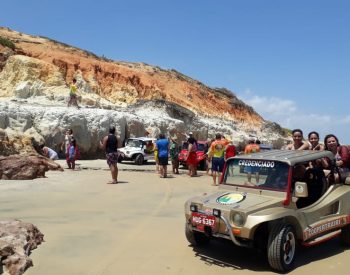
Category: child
<point>71,154</point>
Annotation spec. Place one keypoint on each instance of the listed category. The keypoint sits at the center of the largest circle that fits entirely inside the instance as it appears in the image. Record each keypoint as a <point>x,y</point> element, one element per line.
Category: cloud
<point>269,106</point>
<point>287,113</point>
<point>345,120</point>
<point>272,106</point>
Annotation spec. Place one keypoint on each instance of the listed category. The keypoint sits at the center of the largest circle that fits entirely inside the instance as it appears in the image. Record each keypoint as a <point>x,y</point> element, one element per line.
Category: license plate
<point>202,220</point>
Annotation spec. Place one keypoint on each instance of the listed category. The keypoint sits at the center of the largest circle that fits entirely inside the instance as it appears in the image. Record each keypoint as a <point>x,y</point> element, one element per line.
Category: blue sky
<point>289,59</point>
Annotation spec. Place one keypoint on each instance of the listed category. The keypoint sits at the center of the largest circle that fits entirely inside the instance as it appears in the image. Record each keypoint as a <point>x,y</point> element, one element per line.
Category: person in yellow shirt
<point>73,94</point>
<point>217,153</point>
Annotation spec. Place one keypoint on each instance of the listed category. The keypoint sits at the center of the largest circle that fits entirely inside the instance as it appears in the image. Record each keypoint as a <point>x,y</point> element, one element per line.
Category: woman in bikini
<point>298,143</point>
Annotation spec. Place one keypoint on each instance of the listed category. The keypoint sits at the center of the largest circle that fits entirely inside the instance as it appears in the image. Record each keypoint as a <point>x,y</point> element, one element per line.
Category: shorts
<point>112,158</point>
<point>163,160</point>
<point>218,164</point>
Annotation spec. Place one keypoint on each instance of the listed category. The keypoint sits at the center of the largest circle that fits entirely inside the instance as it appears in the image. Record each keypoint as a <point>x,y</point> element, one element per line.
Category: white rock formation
<point>48,123</point>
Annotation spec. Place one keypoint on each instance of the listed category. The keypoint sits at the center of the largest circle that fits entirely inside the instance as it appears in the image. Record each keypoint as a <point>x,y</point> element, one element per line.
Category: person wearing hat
<point>174,154</point>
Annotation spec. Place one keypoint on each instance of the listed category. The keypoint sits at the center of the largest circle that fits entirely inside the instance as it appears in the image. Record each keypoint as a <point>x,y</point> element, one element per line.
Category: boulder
<point>17,167</point>
<point>28,88</point>
<point>17,240</point>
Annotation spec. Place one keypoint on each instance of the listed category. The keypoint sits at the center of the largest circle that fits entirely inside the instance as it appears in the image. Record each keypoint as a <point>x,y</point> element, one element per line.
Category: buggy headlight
<point>194,208</point>
<point>216,212</point>
<point>238,219</point>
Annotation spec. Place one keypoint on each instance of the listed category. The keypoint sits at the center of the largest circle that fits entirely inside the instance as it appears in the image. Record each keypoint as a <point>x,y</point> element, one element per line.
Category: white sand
<point>134,227</point>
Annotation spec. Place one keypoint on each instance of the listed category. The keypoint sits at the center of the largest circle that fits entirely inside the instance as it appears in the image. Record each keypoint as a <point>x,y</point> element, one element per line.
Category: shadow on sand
<point>226,255</point>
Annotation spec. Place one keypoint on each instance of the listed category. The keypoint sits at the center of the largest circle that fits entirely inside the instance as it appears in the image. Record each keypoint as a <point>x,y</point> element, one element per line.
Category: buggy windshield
<point>260,174</point>
<point>134,143</point>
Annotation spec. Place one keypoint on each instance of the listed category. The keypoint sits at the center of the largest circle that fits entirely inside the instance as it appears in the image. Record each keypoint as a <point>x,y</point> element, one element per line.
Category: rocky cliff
<point>35,73</point>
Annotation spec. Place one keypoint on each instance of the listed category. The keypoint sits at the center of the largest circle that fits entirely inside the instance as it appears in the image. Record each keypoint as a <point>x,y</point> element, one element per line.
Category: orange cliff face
<point>128,82</point>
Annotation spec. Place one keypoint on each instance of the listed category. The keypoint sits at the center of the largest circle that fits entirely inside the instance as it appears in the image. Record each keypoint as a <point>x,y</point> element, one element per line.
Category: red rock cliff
<point>128,82</point>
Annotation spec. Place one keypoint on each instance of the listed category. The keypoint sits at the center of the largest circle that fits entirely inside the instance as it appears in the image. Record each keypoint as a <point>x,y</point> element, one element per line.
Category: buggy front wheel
<point>281,248</point>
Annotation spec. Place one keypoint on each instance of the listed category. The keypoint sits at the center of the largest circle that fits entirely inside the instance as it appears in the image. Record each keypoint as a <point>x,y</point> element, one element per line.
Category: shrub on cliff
<point>7,43</point>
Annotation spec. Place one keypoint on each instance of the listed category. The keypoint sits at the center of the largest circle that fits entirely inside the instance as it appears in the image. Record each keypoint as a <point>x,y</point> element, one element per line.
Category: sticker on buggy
<point>320,228</point>
<point>256,163</point>
<point>231,198</point>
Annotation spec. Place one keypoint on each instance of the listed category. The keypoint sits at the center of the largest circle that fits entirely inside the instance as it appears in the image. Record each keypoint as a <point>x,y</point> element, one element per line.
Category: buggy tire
<point>195,238</point>
<point>281,247</point>
<point>345,235</point>
<point>139,159</point>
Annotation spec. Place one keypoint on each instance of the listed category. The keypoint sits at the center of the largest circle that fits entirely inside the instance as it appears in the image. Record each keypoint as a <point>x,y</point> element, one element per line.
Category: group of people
<point>219,150</point>
<point>331,143</point>
<point>69,146</point>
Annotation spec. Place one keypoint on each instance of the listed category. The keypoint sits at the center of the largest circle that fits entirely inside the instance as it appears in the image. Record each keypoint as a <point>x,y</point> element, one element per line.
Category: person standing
<point>208,159</point>
<point>66,143</point>
<point>73,94</point>
<point>217,152</point>
<point>191,158</point>
<point>174,155</point>
<point>230,150</point>
<point>72,154</point>
<point>162,146</point>
<point>251,148</point>
<point>110,145</point>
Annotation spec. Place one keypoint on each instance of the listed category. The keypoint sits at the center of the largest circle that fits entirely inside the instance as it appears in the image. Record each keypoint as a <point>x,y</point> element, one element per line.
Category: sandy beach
<point>134,227</point>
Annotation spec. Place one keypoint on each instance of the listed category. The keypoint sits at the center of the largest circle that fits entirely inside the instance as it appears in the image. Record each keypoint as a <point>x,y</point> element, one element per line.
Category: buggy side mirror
<point>300,190</point>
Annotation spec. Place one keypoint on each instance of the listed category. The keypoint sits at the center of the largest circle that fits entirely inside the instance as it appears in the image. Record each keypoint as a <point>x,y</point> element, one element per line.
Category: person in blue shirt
<point>72,154</point>
<point>162,146</point>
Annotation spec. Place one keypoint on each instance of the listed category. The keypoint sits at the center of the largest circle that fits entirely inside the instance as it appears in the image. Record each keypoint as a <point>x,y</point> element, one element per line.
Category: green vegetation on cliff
<point>7,43</point>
